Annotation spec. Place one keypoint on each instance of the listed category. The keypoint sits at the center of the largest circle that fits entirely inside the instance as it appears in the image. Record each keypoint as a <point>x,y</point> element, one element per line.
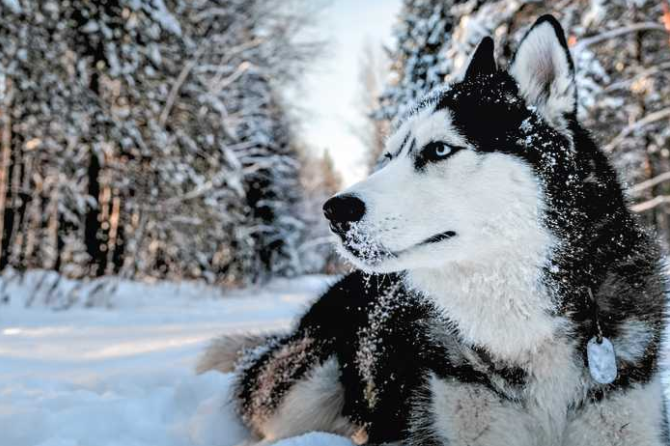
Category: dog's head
<point>463,178</point>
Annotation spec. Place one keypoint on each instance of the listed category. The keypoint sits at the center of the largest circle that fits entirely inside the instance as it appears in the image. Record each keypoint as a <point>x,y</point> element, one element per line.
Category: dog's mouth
<point>356,240</point>
<point>437,238</point>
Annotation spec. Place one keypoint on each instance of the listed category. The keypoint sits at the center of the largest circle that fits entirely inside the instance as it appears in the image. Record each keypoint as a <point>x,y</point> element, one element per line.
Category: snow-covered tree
<point>146,138</point>
<point>418,61</point>
<point>319,181</point>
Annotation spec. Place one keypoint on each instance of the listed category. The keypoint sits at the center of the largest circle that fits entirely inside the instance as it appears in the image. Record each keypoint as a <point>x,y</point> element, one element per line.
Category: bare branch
<point>220,84</point>
<point>660,68</point>
<point>651,204</point>
<point>174,91</point>
<point>637,125</point>
<point>647,184</point>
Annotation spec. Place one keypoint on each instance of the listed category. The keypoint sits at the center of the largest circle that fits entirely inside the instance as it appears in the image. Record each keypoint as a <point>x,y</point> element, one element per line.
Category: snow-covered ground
<point>116,367</point>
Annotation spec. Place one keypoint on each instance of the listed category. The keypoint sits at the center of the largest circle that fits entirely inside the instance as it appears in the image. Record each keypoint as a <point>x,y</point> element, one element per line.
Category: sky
<point>328,100</point>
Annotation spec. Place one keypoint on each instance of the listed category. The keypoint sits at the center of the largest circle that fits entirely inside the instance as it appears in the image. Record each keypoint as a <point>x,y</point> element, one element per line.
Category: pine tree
<point>419,63</point>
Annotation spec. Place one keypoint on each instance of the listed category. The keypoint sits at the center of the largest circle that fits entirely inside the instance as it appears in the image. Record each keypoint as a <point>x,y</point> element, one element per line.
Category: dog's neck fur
<point>500,304</point>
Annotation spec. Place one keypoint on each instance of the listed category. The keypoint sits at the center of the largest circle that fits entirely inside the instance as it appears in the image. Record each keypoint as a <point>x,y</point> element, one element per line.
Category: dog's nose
<point>344,209</point>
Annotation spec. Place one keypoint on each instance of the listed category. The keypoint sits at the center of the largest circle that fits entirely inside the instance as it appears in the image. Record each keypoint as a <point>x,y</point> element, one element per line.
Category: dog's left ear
<point>544,70</point>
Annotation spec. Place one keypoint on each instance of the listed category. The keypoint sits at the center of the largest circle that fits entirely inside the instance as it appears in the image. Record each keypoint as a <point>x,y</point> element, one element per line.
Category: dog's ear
<point>482,61</point>
<point>544,70</point>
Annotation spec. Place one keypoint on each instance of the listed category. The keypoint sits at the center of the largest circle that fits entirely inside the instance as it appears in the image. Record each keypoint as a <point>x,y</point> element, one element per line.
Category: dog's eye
<point>388,156</point>
<point>438,150</point>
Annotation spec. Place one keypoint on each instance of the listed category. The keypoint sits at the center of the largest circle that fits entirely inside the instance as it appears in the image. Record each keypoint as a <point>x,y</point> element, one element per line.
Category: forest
<point>150,138</point>
<point>147,139</point>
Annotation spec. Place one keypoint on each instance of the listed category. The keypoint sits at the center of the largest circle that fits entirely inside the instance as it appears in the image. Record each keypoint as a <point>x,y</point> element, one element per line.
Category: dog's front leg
<point>631,417</point>
<point>312,404</point>
<point>459,413</point>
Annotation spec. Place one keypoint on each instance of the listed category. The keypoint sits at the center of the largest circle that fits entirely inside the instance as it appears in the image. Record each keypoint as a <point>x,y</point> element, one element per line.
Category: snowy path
<point>123,376</point>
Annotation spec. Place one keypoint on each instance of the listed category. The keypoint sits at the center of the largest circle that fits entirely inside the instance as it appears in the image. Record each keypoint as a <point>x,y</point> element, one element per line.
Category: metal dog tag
<point>602,360</point>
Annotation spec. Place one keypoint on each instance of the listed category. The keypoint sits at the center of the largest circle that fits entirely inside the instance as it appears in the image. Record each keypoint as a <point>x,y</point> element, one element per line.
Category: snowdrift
<point>118,370</point>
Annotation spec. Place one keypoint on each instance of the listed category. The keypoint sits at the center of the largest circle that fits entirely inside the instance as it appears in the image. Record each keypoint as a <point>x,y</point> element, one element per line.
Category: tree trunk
<point>5,159</point>
<point>92,221</point>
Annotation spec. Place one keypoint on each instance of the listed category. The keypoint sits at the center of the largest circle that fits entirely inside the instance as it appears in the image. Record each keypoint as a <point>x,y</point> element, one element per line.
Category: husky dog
<point>509,296</point>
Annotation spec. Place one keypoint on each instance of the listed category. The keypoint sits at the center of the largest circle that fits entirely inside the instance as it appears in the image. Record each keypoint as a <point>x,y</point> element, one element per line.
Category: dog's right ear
<point>544,71</point>
<point>482,60</point>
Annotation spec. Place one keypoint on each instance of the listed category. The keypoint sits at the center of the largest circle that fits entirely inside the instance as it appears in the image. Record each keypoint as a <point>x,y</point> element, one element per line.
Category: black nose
<point>344,209</point>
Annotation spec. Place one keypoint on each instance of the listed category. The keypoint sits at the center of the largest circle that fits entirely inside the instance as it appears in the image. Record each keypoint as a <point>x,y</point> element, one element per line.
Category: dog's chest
<point>556,382</point>
<point>506,311</point>
<point>534,412</point>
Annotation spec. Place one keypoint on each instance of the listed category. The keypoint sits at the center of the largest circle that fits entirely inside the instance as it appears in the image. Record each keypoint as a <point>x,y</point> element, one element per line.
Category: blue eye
<point>434,152</point>
<point>438,150</point>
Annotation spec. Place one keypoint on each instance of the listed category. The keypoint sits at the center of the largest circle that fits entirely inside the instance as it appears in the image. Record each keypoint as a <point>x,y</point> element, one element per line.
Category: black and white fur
<point>485,234</point>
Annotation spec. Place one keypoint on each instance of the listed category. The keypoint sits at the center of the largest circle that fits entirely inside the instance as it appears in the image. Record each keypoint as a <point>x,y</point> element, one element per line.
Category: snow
<point>120,372</point>
<point>161,15</point>
<point>13,5</point>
